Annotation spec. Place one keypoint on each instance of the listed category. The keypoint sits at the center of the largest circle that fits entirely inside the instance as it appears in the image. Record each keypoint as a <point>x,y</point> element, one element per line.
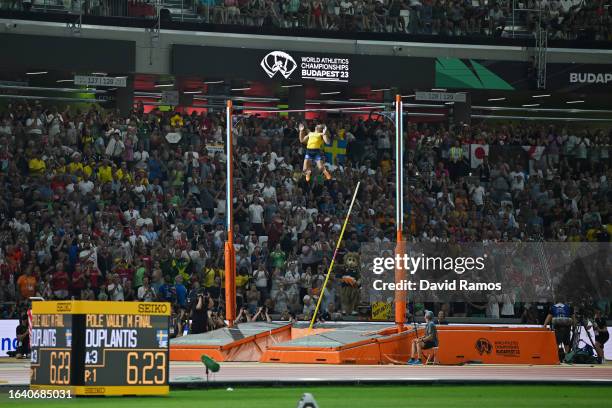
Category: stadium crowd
<point>99,206</point>
<point>563,19</point>
<point>569,19</point>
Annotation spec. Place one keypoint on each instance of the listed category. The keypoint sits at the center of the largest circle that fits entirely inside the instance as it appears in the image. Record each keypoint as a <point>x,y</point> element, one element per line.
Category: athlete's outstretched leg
<point>307,169</point>
<point>323,169</point>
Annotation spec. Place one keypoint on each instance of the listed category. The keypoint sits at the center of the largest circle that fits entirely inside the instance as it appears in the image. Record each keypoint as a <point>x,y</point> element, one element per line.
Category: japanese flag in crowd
<point>534,152</point>
<point>478,153</point>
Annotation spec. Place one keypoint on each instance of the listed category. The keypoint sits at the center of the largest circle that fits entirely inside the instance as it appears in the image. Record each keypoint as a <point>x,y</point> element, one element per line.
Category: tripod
<point>576,336</point>
<point>414,325</point>
<point>414,322</point>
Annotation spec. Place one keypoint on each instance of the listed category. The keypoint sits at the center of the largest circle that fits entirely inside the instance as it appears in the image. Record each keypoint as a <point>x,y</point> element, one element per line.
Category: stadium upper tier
<point>395,20</point>
<point>154,43</point>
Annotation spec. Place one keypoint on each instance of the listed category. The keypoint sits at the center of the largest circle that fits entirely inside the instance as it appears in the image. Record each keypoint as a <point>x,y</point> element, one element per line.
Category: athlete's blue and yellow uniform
<point>314,144</point>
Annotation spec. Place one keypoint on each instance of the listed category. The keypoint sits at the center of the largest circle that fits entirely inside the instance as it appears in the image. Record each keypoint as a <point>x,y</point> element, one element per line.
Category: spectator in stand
<point>260,277</point>
<point>146,293</point>
<point>309,307</point>
<point>78,280</point>
<point>441,318</point>
<point>116,289</point>
<point>497,19</point>
<point>27,283</point>
<point>232,12</point>
<point>61,282</point>
<point>180,290</point>
<point>87,293</point>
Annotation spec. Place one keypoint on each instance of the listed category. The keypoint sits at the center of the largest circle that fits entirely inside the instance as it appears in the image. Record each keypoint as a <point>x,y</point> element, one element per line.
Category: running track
<point>16,373</point>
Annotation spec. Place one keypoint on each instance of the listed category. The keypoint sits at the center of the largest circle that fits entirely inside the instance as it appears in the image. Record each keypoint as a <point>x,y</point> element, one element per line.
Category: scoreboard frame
<point>79,346</point>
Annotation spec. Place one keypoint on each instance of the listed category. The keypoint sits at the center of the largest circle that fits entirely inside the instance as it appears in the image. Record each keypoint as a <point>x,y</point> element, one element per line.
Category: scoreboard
<point>100,348</point>
<point>51,343</point>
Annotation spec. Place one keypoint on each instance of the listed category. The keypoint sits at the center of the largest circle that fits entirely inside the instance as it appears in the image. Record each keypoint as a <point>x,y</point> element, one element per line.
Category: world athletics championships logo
<point>483,346</point>
<point>278,61</point>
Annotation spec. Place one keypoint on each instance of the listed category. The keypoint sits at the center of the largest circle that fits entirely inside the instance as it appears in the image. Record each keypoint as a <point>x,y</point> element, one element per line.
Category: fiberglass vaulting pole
<point>400,274</point>
<point>230,252</point>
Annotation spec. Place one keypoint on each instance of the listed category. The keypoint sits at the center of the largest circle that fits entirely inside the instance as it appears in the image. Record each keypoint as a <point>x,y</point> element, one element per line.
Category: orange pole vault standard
<point>230,251</point>
<point>400,274</point>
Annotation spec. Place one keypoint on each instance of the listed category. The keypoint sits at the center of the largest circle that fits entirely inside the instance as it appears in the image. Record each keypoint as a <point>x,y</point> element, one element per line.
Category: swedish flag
<point>68,337</point>
<point>335,153</point>
<point>162,338</point>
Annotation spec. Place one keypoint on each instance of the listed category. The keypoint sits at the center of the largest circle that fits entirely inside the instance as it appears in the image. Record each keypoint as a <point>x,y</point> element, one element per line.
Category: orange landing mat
<point>367,343</point>
<point>376,344</point>
<point>246,342</point>
<point>346,344</point>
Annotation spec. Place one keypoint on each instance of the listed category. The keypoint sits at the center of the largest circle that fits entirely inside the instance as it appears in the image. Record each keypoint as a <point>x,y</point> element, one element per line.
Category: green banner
<point>467,74</point>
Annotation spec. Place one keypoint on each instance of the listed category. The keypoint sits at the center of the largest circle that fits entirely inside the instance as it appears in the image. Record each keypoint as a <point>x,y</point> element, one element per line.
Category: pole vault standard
<point>400,274</point>
<point>230,252</point>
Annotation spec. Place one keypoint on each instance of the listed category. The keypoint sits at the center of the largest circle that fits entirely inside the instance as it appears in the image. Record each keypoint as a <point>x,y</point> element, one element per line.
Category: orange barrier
<point>457,345</point>
<point>497,345</point>
<point>248,348</point>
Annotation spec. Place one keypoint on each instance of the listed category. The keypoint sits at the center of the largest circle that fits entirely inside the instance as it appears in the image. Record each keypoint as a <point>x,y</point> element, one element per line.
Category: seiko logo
<point>278,61</point>
<point>145,308</point>
<point>590,78</point>
<point>64,306</point>
<point>94,390</point>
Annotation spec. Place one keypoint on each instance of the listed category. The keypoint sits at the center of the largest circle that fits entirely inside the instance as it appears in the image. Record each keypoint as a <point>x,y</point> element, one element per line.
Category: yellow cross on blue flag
<point>162,338</point>
<point>335,153</point>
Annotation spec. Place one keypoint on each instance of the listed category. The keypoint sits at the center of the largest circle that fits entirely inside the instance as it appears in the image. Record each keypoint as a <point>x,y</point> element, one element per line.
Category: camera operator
<point>178,322</point>
<point>561,318</point>
<point>23,337</point>
<point>216,320</point>
<point>192,297</point>
<point>245,317</point>
<point>199,313</point>
<point>262,315</point>
<point>600,328</point>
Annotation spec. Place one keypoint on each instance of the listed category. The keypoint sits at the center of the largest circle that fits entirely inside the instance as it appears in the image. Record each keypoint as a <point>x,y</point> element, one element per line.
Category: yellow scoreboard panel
<point>100,348</point>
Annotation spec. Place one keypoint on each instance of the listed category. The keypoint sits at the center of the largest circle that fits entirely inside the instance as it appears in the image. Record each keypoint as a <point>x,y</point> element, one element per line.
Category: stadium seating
<point>561,20</point>
<point>98,206</point>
